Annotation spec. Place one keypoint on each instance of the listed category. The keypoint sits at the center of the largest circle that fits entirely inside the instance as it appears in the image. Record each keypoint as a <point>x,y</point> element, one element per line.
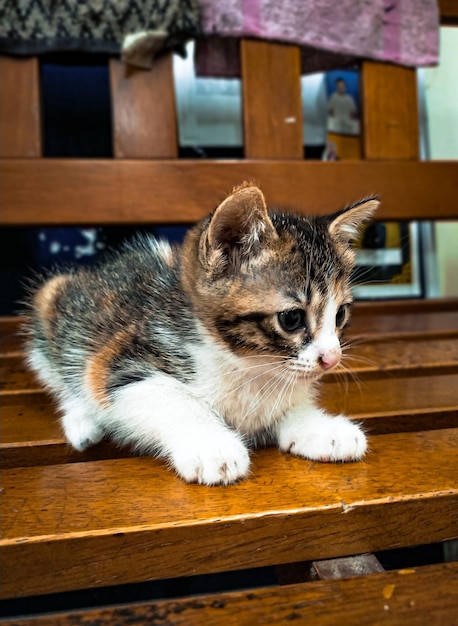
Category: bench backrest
<point>146,182</point>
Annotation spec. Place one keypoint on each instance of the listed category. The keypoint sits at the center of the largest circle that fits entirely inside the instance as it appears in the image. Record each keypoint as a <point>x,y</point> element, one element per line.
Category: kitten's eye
<point>341,316</point>
<point>291,321</point>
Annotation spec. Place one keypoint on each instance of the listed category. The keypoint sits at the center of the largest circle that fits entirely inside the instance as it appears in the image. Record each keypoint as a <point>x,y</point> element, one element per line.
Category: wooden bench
<point>79,521</point>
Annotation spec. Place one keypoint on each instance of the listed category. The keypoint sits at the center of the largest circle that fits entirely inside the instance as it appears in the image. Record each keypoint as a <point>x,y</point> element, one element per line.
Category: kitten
<point>197,353</point>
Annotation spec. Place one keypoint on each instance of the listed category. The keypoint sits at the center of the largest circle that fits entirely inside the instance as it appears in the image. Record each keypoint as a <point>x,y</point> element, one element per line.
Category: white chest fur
<point>250,393</point>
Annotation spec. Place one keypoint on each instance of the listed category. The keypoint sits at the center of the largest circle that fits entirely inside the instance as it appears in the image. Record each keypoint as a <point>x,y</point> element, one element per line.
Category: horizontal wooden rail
<point>393,319</point>
<point>59,191</point>
<point>408,596</point>
<point>382,358</point>
<point>31,434</point>
<point>136,512</point>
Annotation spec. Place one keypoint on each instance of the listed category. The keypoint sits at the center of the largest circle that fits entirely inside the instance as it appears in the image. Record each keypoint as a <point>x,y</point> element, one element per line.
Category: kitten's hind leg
<point>160,415</point>
<point>79,425</point>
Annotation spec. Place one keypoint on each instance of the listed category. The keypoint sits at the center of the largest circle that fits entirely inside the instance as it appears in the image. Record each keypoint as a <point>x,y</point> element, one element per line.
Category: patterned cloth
<point>331,34</point>
<point>38,26</point>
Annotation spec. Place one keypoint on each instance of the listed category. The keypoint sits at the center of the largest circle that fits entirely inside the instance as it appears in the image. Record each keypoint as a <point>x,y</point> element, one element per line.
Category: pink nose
<point>329,359</point>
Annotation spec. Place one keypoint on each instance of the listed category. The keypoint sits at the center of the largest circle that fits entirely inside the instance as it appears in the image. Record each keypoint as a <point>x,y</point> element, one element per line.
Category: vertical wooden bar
<point>390,112</point>
<point>144,113</point>
<point>272,107</point>
<point>20,115</point>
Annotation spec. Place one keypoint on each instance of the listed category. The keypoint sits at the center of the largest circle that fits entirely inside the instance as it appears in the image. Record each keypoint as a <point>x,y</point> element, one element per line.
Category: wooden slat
<point>10,337</point>
<point>410,596</point>
<point>388,319</point>
<point>418,356</point>
<point>405,383</point>
<point>399,356</point>
<point>54,191</point>
<point>20,122</point>
<point>31,433</point>
<point>448,10</point>
<point>396,404</point>
<point>117,521</point>
<point>390,111</point>
<point>144,114</point>
<point>272,107</point>
<point>396,324</point>
<point>15,377</point>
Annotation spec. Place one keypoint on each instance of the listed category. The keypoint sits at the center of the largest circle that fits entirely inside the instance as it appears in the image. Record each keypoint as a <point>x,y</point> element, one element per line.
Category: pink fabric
<point>330,33</point>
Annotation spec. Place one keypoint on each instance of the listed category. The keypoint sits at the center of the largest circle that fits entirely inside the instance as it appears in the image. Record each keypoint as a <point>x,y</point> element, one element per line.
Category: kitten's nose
<point>329,359</point>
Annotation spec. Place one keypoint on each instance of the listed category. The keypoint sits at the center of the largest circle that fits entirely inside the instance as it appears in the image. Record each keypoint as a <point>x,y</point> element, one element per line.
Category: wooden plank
<point>369,322</point>
<point>418,356</point>
<point>388,319</point>
<point>414,305</point>
<point>390,111</point>
<point>448,10</point>
<point>92,524</point>
<point>20,114</point>
<point>395,598</point>
<point>182,191</point>
<point>31,434</point>
<point>15,377</point>
<point>398,356</point>
<point>144,114</point>
<point>386,402</point>
<point>272,105</point>
<point>10,337</point>
<point>395,404</point>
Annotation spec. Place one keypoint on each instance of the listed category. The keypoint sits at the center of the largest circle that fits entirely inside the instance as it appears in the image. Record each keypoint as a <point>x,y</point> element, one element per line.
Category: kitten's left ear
<point>345,225</point>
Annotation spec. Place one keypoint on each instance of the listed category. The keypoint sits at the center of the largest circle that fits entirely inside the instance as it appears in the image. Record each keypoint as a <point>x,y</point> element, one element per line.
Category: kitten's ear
<point>345,225</point>
<point>241,222</point>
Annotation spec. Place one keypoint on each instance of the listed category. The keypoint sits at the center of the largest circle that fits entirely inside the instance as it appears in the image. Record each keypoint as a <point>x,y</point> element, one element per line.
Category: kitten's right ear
<point>240,225</point>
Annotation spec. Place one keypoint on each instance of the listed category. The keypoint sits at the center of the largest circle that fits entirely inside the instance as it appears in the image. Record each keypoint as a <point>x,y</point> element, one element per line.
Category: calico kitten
<point>197,353</point>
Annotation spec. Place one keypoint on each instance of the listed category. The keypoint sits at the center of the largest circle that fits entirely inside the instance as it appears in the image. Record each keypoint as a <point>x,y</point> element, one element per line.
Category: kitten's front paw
<point>80,430</point>
<point>326,439</point>
<point>219,460</point>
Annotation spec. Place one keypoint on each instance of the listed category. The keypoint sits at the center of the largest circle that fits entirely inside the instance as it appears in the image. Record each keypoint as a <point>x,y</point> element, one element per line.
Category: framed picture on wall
<point>388,262</point>
<point>343,109</point>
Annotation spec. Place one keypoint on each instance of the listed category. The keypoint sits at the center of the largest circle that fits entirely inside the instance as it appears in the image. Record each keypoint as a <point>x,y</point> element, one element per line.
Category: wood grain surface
<point>400,375</point>
<point>395,319</point>
<point>134,512</point>
<point>144,113</point>
<point>415,596</point>
<point>390,111</point>
<point>376,356</point>
<point>59,191</point>
<point>272,104</point>
<point>448,10</point>
<point>20,107</point>
<point>31,433</point>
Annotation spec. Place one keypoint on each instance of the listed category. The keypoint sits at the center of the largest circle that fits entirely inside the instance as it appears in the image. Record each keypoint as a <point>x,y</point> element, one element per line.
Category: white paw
<point>327,439</point>
<point>219,459</point>
<point>80,430</point>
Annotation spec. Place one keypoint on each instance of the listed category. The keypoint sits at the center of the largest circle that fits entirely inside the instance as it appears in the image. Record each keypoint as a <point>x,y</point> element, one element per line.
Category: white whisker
<point>271,385</point>
<point>251,380</point>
